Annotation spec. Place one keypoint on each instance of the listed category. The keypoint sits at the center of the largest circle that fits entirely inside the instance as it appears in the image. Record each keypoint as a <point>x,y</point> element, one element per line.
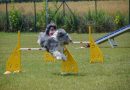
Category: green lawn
<point>113,74</point>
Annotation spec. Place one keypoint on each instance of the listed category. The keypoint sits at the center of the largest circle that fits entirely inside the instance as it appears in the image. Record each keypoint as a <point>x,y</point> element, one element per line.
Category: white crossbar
<point>32,49</point>
<point>42,49</point>
<point>77,42</point>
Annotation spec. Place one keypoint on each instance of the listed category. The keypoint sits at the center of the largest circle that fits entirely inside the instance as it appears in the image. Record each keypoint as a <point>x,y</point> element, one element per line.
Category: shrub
<point>72,23</point>
<point>101,21</point>
<point>3,21</point>
<point>27,23</point>
<point>41,21</point>
<point>15,20</point>
<point>120,20</point>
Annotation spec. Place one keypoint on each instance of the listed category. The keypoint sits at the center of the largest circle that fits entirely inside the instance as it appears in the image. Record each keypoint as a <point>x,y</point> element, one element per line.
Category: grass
<point>113,74</point>
<point>81,7</point>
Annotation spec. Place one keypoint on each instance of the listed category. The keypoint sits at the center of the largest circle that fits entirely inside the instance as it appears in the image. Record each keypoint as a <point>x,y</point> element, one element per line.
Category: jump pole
<point>32,49</point>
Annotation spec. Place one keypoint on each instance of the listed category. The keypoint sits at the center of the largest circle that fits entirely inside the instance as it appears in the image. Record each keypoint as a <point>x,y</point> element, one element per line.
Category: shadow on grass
<point>69,74</point>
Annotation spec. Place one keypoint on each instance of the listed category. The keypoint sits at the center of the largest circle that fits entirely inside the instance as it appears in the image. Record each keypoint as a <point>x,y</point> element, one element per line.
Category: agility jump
<point>69,66</point>
<point>14,61</point>
<point>96,54</point>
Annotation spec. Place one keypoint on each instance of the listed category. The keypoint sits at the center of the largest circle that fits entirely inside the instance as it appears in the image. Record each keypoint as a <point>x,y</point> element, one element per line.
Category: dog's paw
<point>59,56</point>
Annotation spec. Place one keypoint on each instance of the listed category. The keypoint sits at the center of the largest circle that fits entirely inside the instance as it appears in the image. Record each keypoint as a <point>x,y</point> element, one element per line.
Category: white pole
<point>78,42</point>
<point>43,49</point>
<point>32,49</point>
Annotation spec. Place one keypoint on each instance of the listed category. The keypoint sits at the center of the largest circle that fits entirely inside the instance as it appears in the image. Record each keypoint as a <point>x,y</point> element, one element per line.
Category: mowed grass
<point>113,74</point>
<point>80,7</point>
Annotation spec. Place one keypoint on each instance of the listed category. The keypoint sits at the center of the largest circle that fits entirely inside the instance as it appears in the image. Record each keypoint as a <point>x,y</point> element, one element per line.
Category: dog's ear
<point>61,34</point>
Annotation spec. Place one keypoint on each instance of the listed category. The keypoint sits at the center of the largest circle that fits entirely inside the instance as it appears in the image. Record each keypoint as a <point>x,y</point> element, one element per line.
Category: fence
<point>31,16</point>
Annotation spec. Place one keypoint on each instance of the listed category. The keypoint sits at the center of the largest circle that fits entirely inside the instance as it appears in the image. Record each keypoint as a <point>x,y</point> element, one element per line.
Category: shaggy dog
<point>55,44</point>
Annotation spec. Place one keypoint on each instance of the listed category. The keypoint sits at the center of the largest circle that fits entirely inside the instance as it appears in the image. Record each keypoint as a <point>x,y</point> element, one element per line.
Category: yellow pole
<point>89,30</point>
<point>14,61</point>
<point>70,65</point>
<point>96,54</point>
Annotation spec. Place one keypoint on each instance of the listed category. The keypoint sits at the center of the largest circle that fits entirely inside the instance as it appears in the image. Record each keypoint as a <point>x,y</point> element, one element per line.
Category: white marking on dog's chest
<point>54,36</point>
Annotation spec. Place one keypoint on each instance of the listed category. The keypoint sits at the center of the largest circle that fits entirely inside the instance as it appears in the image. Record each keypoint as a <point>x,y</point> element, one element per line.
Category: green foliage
<point>27,23</point>
<point>79,23</point>
<point>101,21</point>
<point>3,21</point>
<point>41,21</point>
<point>57,18</point>
<point>120,20</point>
<point>15,20</point>
<point>72,23</point>
<point>69,21</point>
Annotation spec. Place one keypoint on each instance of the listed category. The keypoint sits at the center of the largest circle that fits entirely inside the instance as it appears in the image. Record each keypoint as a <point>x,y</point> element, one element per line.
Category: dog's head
<point>63,37</point>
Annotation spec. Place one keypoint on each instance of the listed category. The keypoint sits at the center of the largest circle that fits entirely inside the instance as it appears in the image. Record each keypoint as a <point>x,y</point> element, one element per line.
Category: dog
<point>55,44</point>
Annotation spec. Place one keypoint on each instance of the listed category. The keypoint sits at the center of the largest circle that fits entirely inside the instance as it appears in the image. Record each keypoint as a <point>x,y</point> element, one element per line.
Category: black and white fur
<point>55,43</point>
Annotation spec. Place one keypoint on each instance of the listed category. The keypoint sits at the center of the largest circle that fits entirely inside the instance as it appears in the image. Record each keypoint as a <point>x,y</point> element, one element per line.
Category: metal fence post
<point>129,11</point>
<point>35,19</point>
<point>7,18</point>
<point>46,8</point>
<point>96,6</point>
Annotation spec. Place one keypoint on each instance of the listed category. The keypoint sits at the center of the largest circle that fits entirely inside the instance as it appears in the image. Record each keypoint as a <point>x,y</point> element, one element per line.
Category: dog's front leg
<point>58,55</point>
<point>60,50</point>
